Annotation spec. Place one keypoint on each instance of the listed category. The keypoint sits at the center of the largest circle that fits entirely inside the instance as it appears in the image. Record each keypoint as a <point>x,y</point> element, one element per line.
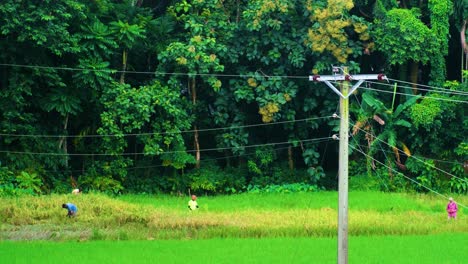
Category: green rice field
<point>442,248</point>
<point>245,228</point>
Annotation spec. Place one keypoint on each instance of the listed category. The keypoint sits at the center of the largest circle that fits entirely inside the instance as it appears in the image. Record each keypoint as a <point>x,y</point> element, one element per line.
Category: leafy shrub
<point>425,174</point>
<point>360,180</point>
<point>260,164</point>
<point>150,181</point>
<point>365,183</point>
<point>212,179</point>
<point>6,182</point>
<point>234,180</point>
<point>61,186</point>
<point>285,188</point>
<point>104,184</point>
<point>29,182</point>
<point>280,174</point>
<point>23,183</point>
<point>459,185</point>
<point>391,181</point>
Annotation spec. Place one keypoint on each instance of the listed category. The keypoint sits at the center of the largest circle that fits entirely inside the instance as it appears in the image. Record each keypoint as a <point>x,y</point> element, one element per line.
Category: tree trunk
<point>403,74</point>
<point>228,160</point>
<point>464,49</point>
<point>195,136</point>
<point>197,147</point>
<point>463,37</point>
<point>124,65</point>
<point>290,158</point>
<point>414,71</point>
<point>63,141</point>
<point>238,12</point>
<point>390,171</point>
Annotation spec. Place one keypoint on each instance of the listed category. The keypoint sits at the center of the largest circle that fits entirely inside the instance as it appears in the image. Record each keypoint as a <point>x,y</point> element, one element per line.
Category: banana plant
<point>382,124</point>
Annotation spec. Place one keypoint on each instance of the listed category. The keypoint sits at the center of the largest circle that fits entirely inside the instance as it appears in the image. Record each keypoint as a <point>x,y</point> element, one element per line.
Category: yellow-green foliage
<point>268,111</point>
<point>426,111</point>
<point>259,12</point>
<point>328,33</point>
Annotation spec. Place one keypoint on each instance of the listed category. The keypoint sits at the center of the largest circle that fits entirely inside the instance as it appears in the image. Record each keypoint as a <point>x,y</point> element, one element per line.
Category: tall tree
<point>42,34</point>
<point>460,14</point>
<point>198,50</point>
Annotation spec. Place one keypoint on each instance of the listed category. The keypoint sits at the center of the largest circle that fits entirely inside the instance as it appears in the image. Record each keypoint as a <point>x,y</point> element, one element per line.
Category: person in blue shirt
<point>72,209</point>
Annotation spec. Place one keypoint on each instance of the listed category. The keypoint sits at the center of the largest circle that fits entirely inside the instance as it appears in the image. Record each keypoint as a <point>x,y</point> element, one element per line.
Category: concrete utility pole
<point>343,174</point>
<point>343,153</point>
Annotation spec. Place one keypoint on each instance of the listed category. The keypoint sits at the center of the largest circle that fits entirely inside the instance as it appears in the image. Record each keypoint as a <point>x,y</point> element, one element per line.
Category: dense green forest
<point>214,96</point>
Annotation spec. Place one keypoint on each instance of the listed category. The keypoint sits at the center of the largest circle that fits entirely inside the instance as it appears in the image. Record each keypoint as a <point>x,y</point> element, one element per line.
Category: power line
<point>448,173</point>
<point>151,73</point>
<point>202,160</point>
<point>443,90</point>
<point>355,140</point>
<point>399,173</point>
<point>378,175</point>
<point>383,151</point>
<point>420,89</point>
<point>442,161</point>
<point>428,97</point>
<point>427,86</point>
<point>421,157</point>
<point>164,133</point>
<point>167,152</point>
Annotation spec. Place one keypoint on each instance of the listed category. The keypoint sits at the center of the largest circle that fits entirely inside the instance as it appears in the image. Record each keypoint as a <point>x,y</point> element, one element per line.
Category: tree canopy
<point>213,95</point>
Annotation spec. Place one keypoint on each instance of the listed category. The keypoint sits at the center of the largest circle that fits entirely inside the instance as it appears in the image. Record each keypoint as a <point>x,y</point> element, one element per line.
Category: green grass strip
<point>441,248</point>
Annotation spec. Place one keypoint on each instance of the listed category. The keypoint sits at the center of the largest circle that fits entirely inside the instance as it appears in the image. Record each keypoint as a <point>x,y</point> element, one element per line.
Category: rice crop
<point>136,217</point>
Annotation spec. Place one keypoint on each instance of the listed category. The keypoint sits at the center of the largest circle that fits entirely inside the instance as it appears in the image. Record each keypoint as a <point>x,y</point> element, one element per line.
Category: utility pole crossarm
<point>347,77</point>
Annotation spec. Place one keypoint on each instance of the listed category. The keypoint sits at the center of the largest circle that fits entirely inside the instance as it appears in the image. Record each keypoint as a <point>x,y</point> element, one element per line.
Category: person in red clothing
<point>452,209</point>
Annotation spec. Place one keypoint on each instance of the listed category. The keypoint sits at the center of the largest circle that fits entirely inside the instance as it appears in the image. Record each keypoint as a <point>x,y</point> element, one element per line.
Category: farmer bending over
<point>192,204</point>
<point>72,209</point>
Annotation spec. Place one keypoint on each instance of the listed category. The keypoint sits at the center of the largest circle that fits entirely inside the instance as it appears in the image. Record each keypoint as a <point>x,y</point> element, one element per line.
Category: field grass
<point>377,201</point>
<point>441,248</point>
<point>138,217</point>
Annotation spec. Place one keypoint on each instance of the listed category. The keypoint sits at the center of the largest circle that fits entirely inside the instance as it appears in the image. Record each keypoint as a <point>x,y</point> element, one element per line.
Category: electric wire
<point>421,157</point>
<point>412,95</point>
<point>399,173</point>
<point>211,74</point>
<point>202,160</point>
<point>422,96</point>
<point>163,152</point>
<point>355,140</point>
<point>153,72</point>
<point>428,86</point>
<point>445,91</point>
<point>430,165</point>
<point>164,133</point>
